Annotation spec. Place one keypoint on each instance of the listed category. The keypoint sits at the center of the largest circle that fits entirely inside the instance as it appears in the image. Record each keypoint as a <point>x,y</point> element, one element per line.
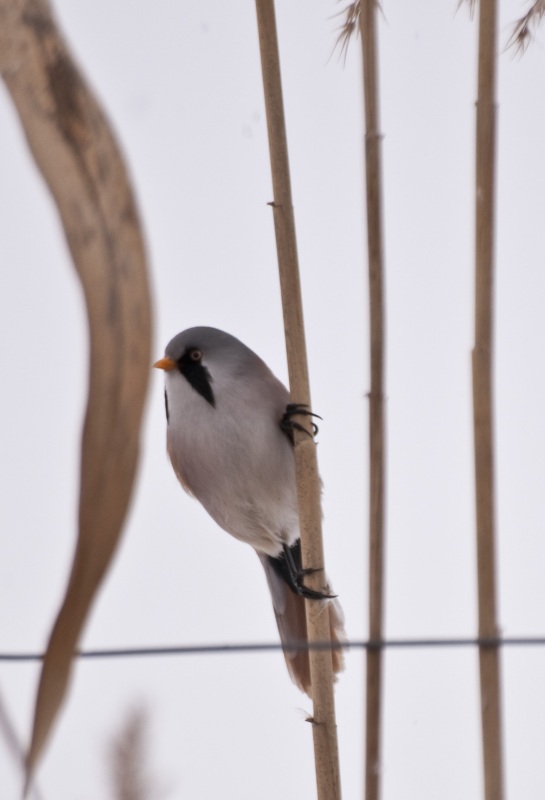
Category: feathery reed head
<point>525,27</point>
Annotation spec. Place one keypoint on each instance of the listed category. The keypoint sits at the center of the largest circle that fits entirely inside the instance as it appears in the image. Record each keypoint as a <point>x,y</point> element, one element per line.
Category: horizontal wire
<point>364,644</point>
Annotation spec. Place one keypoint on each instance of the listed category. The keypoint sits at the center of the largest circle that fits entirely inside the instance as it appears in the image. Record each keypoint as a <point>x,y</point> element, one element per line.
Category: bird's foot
<point>294,576</point>
<point>288,424</point>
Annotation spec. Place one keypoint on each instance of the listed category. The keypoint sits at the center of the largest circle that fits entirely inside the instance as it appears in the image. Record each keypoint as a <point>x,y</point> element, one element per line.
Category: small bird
<point>230,440</point>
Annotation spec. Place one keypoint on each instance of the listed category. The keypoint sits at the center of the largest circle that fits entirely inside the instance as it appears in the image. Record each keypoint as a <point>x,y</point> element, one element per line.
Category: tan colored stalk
<point>323,721</point>
<point>76,152</point>
<point>377,452</point>
<point>483,401</point>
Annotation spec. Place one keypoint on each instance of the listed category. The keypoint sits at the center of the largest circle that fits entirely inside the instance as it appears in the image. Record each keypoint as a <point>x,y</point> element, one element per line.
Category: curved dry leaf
<point>74,148</point>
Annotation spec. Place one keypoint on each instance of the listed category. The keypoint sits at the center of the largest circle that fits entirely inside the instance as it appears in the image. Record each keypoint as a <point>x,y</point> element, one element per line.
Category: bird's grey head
<point>204,354</point>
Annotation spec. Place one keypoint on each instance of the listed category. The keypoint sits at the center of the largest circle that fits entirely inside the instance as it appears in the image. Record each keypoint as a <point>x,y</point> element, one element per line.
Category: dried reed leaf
<point>74,148</point>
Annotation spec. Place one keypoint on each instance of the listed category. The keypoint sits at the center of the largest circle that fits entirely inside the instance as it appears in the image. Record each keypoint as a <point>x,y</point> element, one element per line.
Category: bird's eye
<point>195,355</point>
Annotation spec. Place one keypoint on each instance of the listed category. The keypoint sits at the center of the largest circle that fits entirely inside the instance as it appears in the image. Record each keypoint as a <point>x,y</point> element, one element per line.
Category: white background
<point>181,83</point>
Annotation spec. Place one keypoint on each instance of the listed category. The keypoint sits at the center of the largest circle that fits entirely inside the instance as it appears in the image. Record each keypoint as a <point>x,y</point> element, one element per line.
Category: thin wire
<point>365,644</point>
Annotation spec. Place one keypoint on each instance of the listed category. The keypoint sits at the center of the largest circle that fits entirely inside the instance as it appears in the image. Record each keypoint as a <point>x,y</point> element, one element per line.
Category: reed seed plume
<point>525,28</point>
<point>471,4</point>
<point>349,27</point>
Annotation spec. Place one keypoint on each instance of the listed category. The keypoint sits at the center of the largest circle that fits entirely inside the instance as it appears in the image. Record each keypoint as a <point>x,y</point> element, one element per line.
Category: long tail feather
<point>289,610</point>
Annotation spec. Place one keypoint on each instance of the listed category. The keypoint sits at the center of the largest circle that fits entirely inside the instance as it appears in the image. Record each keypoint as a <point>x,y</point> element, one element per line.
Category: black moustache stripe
<point>198,376</point>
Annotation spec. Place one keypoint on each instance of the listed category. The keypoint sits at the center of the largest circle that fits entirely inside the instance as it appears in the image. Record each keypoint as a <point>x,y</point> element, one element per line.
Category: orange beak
<point>165,363</point>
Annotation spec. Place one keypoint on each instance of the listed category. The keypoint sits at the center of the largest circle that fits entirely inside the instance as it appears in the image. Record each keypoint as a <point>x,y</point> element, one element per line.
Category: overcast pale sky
<point>181,83</point>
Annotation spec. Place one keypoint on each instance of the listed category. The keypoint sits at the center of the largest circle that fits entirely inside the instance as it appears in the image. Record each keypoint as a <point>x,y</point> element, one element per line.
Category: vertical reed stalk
<point>377,455</point>
<point>324,725</point>
<point>483,403</point>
